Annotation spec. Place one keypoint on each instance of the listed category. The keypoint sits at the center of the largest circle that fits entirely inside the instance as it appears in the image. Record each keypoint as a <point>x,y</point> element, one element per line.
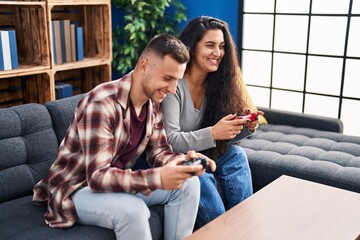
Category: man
<point>92,182</point>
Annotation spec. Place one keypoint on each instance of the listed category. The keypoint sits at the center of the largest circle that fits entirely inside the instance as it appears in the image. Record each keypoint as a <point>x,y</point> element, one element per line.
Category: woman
<point>201,115</point>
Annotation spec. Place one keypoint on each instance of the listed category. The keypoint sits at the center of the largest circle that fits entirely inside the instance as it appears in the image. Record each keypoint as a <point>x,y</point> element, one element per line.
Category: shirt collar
<point>124,90</point>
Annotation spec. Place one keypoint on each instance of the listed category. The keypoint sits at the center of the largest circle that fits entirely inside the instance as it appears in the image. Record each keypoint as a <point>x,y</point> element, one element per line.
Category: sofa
<point>300,145</point>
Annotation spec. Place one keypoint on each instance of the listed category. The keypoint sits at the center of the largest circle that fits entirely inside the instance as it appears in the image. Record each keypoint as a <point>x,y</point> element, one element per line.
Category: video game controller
<point>196,161</point>
<point>251,116</point>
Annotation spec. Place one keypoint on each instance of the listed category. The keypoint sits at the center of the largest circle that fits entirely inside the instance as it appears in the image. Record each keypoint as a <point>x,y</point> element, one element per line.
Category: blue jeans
<point>128,215</point>
<point>233,173</point>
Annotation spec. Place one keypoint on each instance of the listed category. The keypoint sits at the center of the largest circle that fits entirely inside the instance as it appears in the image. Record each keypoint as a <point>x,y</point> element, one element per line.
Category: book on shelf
<point>57,42</point>
<point>62,40</point>
<point>58,91</point>
<point>2,66</point>
<point>53,41</point>
<point>73,42</point>
<point>67,35</point>
<point>5,44</point>
<point>63,90</point>
<point>13,49</point>
<point>8,52</point>
<point>79,44</point>
<point>65,40</point>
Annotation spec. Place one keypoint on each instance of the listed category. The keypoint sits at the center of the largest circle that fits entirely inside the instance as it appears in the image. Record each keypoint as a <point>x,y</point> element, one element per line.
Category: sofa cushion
<point>28,146</point>
<point>62,112</point>
<point>325,157</point>
<point>20,219</point>
<point>23,220</point>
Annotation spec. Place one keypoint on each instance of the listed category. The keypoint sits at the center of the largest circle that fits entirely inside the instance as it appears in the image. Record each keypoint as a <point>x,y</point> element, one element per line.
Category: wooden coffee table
<point>289,208</point>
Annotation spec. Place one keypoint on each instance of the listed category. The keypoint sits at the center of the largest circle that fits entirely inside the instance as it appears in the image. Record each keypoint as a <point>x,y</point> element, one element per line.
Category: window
<point>304,50</point>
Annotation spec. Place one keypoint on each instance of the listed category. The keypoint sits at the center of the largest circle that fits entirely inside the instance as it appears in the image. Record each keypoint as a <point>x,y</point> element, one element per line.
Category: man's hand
<point>173,174</point>
<point>211,163</point>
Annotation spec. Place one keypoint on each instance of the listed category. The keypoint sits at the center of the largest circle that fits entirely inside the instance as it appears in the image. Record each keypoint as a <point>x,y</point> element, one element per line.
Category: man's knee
<point>134,211</point>
<point>191,187</point>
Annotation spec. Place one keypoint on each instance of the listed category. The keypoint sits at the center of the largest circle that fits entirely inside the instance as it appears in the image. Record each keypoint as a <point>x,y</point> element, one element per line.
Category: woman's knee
<point>208,179</point>
<point>234,161</point>
<point>234,155</point>
<point>237,151</point>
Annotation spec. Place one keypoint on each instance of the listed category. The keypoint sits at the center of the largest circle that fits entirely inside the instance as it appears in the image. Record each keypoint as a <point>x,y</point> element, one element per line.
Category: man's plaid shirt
<point>95,139</point>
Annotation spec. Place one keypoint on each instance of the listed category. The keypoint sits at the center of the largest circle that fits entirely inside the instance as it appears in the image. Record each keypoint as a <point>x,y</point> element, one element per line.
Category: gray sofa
<point>30,135</point>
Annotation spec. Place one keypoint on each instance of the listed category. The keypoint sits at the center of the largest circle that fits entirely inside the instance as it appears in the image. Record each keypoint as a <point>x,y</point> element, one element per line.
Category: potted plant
<point>143,19</point>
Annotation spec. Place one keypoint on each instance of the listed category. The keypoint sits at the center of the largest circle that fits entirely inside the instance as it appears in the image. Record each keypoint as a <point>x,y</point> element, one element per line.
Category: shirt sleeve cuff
<point>154,178</point>
<point>212,142</point>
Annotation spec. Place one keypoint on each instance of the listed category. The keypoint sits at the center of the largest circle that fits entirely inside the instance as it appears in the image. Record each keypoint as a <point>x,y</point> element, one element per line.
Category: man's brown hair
<point>166,44</point>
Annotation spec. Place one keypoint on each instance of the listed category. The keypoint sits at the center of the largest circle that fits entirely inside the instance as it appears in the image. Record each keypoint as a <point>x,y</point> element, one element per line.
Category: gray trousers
<point>128,215</point>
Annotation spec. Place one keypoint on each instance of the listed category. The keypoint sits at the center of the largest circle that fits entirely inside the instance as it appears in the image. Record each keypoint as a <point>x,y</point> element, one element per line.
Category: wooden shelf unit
<point>34,80</point>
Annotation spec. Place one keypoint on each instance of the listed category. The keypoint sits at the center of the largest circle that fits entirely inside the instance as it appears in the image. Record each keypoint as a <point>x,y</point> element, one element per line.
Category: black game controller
<point>196,161</point>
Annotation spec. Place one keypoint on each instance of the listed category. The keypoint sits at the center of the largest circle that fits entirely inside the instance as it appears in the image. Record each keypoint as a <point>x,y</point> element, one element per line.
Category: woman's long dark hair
<point>222,88</point>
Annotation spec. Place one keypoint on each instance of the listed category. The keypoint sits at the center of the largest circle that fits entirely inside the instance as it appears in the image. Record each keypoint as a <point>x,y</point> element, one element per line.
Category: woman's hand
<point>227,127</point>
<point>253,125</point>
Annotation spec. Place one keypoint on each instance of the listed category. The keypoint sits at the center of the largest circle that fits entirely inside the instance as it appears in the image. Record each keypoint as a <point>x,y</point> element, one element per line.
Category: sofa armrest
<point>281,117</point>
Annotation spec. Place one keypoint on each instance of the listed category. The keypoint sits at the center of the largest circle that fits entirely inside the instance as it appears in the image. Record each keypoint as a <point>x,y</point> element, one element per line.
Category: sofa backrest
<point>28,146</point>
<point>294,119</point>
<point>62,112</point>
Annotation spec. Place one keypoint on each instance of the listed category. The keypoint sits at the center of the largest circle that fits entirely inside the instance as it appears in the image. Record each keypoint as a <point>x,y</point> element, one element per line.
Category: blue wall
<point>226,10</point>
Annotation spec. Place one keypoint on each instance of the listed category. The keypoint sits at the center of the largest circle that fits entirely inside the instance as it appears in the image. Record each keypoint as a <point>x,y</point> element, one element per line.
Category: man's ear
<point>144,64</point>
